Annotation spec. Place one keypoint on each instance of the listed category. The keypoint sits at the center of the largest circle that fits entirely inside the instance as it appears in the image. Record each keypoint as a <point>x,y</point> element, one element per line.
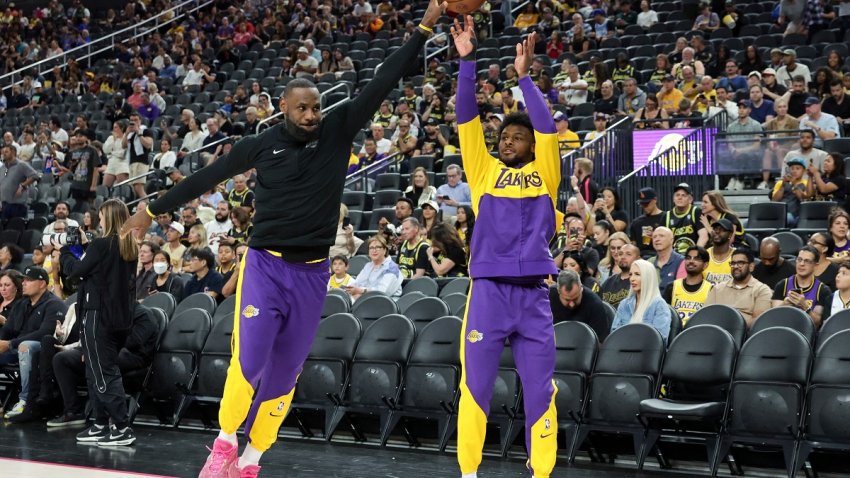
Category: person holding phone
<point>454,193</point>
<point>803,290</point>
<point>346,243</point>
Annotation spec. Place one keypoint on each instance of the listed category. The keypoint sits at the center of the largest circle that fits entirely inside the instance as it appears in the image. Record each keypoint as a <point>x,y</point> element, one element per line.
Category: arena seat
<point>768,392</point>
<point>576,346</point>
<point>722,316</point>
<point>370,309</point>
<point>426,285</point>
<point>454,286</point>
<point>212,367</point>
<point>377,373</point>
<point>697,370</point>
<point>334,304</point>
<point>789,317</point>
<point>426,310</point>
<point>163,301</point>
<point>406,300</point>
<point>326,369</point>
<point>197,301</point>
<point>431,381</point>
<point>833,325</point>
<point>626,372</point>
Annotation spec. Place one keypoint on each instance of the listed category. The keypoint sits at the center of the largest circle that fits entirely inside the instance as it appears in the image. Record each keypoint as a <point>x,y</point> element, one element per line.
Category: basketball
<point>462,7</point>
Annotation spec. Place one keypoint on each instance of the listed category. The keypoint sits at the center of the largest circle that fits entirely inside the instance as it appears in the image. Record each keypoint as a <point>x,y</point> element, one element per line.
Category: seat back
<point>356,264</point>
<point>789,243</point>
<point>227,307</point>
<point>163,301</point>
<point>722,316</point>
<point>790,317</point>
<point>458,285</point>
<point>626,369</point>
<point>196,301</point>
<point>176,361</point>
<point>377,369</point>
<point>372,308</point>
<point>814,215</point>
<point>833,325</point>
<point>327,366</point>
<point>334,304</point>
<point>576,346</point>
<point>675,324</point>
<point>769,384</point>
<point>406,300</point>
<point>215,358</point>
<point>427,309</point>
<point>767,215</point>
<point>426,285</point>
<point>699,363</point>
<point>433,372</point>
<point>828,416</point>
<point>455,302</point>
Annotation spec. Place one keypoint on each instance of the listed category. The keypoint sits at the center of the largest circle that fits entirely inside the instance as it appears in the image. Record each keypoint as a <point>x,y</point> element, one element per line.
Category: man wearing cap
<point>39,97</point>
<point>791,68</point>
<point>684,220</point>
<point>640,230</point>
<point>792,189</point>
<point>743,142</point>
<point>305,66</point>
<point>772,88</point>
<point>434,136</point>
<point>82,163</point>
<point>601,26</point>
<point>823,124</point>
<point>669,96</point>
<point>719,268</point>
<point>173,246</point>
<point>17,177</point>
<point>838,105</point>
<point>28,321</point>
<point>761,109</point>
<point>567,140</point>
<point>776,59</point>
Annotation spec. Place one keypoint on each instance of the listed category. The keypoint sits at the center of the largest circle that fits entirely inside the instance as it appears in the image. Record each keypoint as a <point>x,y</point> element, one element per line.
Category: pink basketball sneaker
<point>249,471</point>
<point>222,456</point>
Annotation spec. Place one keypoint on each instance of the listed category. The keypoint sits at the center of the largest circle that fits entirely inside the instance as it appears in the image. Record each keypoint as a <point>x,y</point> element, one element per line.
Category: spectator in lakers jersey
<point>685,220</point>
<point>719,269</point>
<point>840,299</point>
<point>744,293</point>
<point>413,253</point>
<point>839,223</point>
<point>803,290</point>
<point>688,294</point>
<point>240,195</point>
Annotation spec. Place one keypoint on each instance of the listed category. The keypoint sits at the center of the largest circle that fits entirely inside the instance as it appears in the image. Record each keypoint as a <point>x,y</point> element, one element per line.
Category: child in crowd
<point>340,277</point>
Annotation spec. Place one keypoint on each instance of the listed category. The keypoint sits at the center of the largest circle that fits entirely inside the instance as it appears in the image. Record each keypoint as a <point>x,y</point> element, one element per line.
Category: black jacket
<point>108,282</point>
<point>140,345</point>
<point>32,322</point>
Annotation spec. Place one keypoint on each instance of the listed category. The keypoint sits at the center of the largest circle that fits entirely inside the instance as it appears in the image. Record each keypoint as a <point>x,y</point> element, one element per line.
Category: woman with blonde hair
<point>644,305</point>
<point>420,190</point>
<point>197,239</point>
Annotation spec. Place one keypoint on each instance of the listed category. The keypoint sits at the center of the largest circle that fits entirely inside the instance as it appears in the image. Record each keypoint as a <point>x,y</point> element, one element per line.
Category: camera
<point>390,231</point>
<point>70,237</point>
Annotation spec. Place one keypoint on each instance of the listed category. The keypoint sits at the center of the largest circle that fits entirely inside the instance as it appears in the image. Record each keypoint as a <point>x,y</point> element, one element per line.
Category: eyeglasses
<point>694,258</point>
<point>801,260</point>
<point>739,263</point>
<point>815,243</point>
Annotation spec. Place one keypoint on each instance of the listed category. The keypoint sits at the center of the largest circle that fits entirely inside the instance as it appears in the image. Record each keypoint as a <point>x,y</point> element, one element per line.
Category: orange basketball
<point>462,7</point>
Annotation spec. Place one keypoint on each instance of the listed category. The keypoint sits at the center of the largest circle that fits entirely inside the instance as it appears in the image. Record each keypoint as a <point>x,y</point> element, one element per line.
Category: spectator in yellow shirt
<point>567,140</point>
<point>669,96</point>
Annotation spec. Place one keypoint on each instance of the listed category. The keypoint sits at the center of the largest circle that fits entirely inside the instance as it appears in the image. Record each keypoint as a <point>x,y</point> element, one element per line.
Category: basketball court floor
<point>30,451</point>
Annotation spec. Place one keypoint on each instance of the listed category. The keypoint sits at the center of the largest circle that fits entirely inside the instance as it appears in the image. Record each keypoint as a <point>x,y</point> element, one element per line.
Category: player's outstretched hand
<point>464,36</point>
<point>525,54</point>
<point>138,225</point>
<point>432,14</point>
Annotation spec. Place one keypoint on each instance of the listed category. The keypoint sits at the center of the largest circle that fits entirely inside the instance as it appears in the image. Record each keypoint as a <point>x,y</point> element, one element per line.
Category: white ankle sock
<point>230,438</point>
<point>251,456</point>
<point>470,475</point>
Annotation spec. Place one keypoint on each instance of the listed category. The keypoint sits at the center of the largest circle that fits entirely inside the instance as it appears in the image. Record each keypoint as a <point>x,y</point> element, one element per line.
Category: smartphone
<point>444,197</point>
<point>799,291</point>
<point>346,221</point>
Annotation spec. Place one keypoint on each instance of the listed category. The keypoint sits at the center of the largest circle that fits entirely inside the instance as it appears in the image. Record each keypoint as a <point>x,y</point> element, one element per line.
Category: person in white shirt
<point>194,139</point>
<point>362,7</point>
<point>383,145</point>
<point>219,226</point>
<point>647,17</point>
<point>573,90</point>
<point>823,124</point>
<point>56,132</point>
<point>306,66</point>
<point>195,76</point>
<point>722,102</point>
<point>117,164</point>
<point>791,69</point>
<point>60,212</point>
<point>156,98</point>
<point>454,193</point>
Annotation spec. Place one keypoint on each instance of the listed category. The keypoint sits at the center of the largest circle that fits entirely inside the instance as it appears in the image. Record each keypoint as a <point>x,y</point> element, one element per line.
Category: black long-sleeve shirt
<point>32,322</point>
<point>299,185</point>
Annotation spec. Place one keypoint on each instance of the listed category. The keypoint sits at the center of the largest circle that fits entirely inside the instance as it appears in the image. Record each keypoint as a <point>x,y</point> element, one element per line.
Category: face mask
<point>160,267</point>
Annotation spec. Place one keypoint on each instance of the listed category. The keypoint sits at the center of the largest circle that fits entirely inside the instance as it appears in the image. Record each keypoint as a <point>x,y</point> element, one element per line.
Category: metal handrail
<point>104,43</point>
<point>364,173</point>
<point>434,53</point>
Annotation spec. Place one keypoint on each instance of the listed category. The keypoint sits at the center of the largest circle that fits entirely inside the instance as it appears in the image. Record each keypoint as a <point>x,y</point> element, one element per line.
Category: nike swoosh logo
<point>278,151</point>
<point>546,436</point>
<point>276,416</point>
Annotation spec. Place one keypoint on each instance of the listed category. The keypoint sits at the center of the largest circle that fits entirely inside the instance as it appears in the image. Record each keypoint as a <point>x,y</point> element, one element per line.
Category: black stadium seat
<point>370,309</point>
<point>197,301</point>
<point>163,301</point>
<point>431,380</point>
<point>697,370</point>
<point>722,316</point>
<point>833,325</point>
<point>377,373</point>
<point>334,304</point>
<point>768,392</point>
<point>786,316</point>
<point>426,285</point>
<point>425,310</point>
<point>766,218</point>
<point>406,300</point>
<point>576,346</point>
<point>212,366</point>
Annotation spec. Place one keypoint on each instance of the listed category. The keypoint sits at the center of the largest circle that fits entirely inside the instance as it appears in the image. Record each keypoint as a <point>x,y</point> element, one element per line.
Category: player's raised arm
<point>470,133</point>
<point>535,104</point>
<point>358,111</point>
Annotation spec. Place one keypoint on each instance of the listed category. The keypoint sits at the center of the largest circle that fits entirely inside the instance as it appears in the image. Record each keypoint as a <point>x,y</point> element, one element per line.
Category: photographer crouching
<point>105,296</point>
